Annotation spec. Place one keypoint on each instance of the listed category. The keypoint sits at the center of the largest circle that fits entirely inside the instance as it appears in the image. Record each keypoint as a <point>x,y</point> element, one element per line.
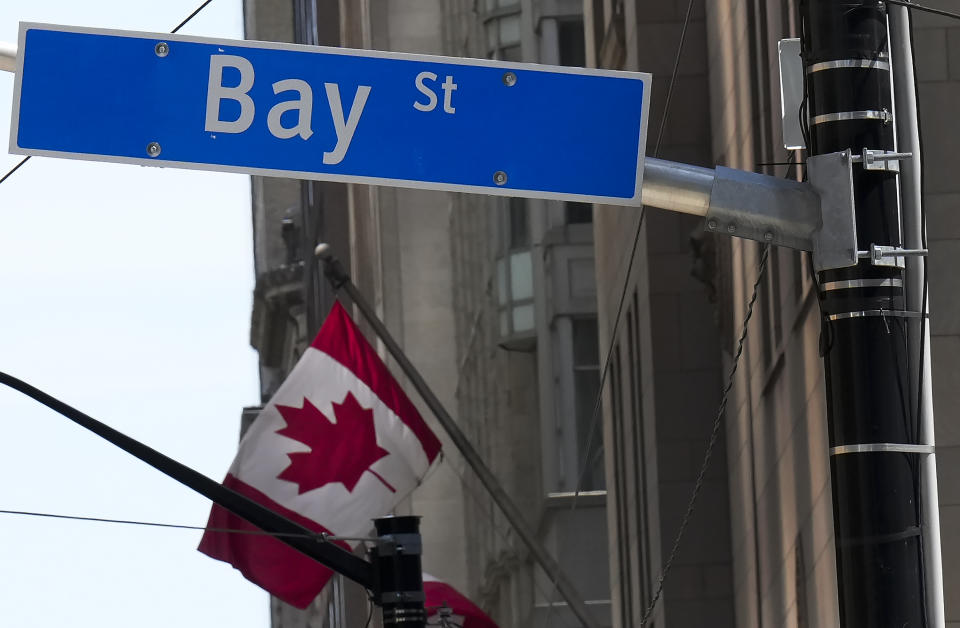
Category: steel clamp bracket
<point>835,238</point>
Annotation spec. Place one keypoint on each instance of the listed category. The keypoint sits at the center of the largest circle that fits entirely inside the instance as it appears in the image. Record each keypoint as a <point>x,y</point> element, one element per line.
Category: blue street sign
<point>361,116</point>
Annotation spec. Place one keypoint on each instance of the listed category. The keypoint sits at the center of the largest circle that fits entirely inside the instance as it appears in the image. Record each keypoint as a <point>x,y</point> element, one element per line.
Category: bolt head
<point>731,228</point>
<point>162,49</point>
<point>500,177</point>
<point>509,79</point>
<point>768,236</point>
<point>712,224</point>
<point>153,149</point>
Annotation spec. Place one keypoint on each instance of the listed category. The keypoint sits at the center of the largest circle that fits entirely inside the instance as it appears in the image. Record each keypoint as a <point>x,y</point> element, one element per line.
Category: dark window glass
<point>573,47</point>
<point>586,382</point>
<point>585,351</point>
<point>519,223</point>
<point>578,213</point>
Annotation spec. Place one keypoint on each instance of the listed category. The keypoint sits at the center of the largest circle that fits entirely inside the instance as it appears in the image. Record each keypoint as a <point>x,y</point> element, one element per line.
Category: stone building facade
<point>493,300</point>
<point>508,307</point>
<point>782,565</point>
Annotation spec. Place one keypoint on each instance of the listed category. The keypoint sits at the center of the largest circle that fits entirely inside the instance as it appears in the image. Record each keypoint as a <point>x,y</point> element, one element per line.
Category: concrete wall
<point>663,390</point>
<point>781,509</point>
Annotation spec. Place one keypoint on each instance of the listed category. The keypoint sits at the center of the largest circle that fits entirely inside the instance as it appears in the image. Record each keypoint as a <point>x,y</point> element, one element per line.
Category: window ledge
<point>583,498</point>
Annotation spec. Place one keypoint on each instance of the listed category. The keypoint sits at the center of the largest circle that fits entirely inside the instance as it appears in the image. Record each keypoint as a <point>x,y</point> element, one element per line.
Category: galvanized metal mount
<point>880,159</point>
<point>835,237</point>
<point>817,216</point>
<point>764,208</point>
<point>890,255</point>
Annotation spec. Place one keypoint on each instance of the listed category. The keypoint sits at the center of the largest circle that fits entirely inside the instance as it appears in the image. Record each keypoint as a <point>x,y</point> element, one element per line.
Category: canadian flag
<point>338,445</point>
<point>448,607</point>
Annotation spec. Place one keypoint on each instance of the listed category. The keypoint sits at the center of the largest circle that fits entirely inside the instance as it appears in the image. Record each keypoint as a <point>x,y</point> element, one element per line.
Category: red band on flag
<point>310,456</point>
<point>341,340</point>
<point>261,558</point>
<point>441,597</point>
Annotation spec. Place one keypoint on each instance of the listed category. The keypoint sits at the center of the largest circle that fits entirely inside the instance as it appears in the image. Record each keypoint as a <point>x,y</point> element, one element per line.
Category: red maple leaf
<point>339,452</point>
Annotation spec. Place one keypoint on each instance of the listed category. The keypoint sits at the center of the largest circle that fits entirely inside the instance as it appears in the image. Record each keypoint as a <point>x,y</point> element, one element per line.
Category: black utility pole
<point>873,416</point>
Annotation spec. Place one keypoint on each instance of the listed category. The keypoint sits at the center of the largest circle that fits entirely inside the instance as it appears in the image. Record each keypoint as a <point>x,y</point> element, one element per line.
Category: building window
<point>502,24</point>
<point>573,45</point>
<point>515,274</point>
<point>577,213</point>
<point>586,388</point>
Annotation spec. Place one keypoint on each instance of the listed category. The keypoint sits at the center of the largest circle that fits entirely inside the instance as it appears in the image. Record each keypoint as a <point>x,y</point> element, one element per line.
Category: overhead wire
<point>320,536</point>
<point>175,29</point>
<point>595,418</point>
<point>15,168</point>
<point>714,434</point>
<point>918,7</point>
<point>190,17</point>
<point>924,316</point>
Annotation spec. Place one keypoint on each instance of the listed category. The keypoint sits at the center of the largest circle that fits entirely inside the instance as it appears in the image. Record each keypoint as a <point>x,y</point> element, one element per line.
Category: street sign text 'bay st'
<point>334,114</point>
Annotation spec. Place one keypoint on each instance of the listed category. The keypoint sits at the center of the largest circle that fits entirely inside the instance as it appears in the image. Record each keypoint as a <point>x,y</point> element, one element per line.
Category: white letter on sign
<point>426,91</point>
<point>345,130</point>
<point>448,88</point>
<point>304,105</point>
<point>217,92</point>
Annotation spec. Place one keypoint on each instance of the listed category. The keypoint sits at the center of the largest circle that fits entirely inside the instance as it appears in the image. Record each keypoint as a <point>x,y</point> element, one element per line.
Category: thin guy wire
<point>15,168</point>
<point>191,16</point>
<point>717,422</point>
<point>673,78</point>
<point>626,281</point>
<point>904,3</point>
<point>178,27</point>
<point>633,254</point>
<point>152,524</point>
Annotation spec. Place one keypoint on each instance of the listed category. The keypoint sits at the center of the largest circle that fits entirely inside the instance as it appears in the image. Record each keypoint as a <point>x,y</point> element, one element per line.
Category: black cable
<point>626,283</point>
<point>911,5</point>
<point>714,434</point>
<point>316,537</point>
<point>191,16</point>
<point>178,27</point>
<point>370,614</point>
<point>924,321</point>
<point>15,168</point>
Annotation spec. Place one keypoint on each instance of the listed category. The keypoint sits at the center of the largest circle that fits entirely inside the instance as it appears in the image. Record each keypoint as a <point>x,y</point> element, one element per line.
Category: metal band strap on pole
<point>340,279</point>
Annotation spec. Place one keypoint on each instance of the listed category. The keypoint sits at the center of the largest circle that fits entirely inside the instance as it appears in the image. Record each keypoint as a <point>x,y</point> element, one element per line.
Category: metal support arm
<point>816,216</point>
<point>8,57</point>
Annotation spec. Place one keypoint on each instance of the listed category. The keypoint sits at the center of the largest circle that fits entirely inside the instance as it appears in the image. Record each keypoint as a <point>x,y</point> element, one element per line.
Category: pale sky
<point>125,291</point>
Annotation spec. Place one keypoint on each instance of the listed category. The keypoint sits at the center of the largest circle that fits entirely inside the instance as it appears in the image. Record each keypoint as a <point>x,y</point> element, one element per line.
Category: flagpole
<point>339,278</point>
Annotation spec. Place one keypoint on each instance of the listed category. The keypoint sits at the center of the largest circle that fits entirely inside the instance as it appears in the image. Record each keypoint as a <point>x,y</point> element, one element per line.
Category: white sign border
<point>493,190</point>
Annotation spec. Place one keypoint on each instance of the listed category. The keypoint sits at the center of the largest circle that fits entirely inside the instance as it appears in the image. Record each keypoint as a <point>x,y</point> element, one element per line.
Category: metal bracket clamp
<point>817,216</point>
<point>763,208</point>
<point>390,544</point>
<point>835,238</point>
<point>880,159</point>
<point>889,255</point>
<point>395,597</point>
